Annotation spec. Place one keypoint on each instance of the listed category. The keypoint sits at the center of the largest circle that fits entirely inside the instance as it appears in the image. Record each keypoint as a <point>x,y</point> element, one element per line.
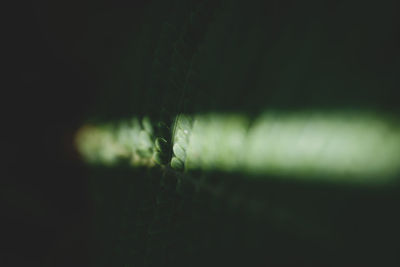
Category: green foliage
<point>194,57</point>
<point>177,164</point>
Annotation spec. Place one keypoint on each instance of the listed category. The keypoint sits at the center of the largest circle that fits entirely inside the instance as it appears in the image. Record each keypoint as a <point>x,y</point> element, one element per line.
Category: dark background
<point>68,62</point>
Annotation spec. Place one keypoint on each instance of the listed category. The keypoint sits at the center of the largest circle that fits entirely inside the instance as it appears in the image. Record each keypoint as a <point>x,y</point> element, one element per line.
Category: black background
<point>56,55</point>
